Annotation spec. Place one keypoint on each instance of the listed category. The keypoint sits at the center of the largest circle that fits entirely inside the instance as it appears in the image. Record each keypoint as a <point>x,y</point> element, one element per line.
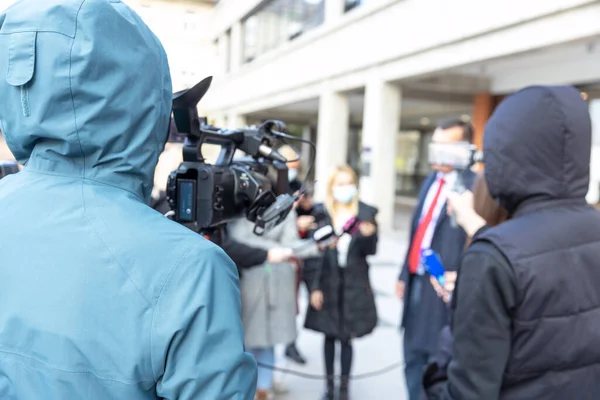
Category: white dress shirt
<point>343,244</point>
<point>450,180</point>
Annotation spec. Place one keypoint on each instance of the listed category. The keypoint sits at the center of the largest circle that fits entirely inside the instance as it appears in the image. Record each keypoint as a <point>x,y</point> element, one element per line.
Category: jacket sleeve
<point>368,244</point>
<point>404,271</point>
<point>244,256</point>
<point>197,340</point>
<point>486,294</point>
<point>311,271</point>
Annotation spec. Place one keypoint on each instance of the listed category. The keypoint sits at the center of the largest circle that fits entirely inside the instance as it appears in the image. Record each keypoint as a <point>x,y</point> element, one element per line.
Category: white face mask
<point>344,194</point>
<point>292,174</point>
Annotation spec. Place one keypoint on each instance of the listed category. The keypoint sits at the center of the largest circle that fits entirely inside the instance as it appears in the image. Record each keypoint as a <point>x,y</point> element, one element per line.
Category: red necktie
<point>414,257</point>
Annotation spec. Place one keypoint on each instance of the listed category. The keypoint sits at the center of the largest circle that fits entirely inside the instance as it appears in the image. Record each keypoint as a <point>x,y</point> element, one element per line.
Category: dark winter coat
<point>356,315</point>
<point>527,318</point>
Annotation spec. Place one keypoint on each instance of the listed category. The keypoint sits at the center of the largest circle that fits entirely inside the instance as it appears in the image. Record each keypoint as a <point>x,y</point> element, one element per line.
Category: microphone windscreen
<point>323,233</point>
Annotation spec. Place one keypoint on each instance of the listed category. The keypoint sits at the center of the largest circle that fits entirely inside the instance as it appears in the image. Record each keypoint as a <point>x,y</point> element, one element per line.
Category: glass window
<point>272,24</point>
<point>315,13</point>
<point>293,15</point>
<point>279,21</point>
<point>251,34</point>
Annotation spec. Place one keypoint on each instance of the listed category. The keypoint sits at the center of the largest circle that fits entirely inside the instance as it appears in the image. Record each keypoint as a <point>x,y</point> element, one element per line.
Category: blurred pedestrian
<point>424,312</point>
<point>304,222</point>
<point>268,299</point>
<point>342,305</point>
<point>294,165</point>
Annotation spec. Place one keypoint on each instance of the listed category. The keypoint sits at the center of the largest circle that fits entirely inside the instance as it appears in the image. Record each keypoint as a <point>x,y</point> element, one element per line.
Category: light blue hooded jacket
<point>101,297</point>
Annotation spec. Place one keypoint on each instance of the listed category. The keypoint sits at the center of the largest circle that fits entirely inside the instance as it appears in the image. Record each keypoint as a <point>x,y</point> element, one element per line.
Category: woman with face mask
<point>342,305</point>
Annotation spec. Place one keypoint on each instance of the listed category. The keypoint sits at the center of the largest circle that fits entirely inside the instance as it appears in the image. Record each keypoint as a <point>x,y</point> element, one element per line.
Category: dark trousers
<point>415,363</point>
<point>416,359</point>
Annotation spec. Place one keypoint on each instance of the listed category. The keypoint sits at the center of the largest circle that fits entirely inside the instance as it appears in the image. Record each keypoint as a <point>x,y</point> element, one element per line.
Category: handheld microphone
<point>310,248</point>
<point>351,226</point>
<point>326,235</point>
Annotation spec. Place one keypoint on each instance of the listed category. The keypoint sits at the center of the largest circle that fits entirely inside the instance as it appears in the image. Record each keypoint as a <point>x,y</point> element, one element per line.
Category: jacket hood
<point>86,91</point>
<point>537,146</point>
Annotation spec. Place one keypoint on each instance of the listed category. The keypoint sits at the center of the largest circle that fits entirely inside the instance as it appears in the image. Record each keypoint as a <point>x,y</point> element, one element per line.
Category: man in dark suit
<point>424,312</point>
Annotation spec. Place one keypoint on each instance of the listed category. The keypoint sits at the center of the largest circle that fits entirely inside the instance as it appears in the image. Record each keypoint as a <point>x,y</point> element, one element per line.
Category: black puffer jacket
<point>356,315</point>
<point>527,317</point>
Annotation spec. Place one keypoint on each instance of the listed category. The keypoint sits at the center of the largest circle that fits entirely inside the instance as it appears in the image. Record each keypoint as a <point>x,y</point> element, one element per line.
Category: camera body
<point>206,196</point>
<point>210,195</point>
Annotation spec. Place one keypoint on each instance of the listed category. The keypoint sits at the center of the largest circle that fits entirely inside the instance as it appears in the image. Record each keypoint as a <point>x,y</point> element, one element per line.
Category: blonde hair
<point>330,203</point>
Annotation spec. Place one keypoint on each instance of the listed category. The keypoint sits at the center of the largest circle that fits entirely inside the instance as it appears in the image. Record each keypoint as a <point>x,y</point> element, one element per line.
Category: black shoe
<point>328,396</point>
<point>293,354</point>
<point>330,391</point>
<point>344,389</point>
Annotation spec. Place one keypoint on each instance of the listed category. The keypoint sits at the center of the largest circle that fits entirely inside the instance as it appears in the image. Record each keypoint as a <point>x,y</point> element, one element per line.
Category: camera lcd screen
<point>187,200</point>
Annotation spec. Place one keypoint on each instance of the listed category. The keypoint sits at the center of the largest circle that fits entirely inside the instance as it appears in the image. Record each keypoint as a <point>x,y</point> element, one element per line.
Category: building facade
<point>368,79</point>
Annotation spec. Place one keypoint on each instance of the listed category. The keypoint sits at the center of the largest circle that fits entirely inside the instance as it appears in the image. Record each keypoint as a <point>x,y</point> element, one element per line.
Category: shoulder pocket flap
<point>21,58</point>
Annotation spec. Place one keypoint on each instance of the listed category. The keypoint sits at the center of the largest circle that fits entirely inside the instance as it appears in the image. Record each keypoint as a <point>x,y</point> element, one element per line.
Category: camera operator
<point>102,297</point>
<point>531,283</point>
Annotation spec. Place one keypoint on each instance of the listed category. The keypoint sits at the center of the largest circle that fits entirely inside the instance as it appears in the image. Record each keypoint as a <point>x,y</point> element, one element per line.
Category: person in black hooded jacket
<point>526,323</point>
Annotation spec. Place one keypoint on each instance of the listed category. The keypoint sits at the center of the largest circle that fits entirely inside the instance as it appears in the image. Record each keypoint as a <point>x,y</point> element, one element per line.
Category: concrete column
<point>381,125</point>
<point>334,9</point>
<point>332,137</point>
<point>593,195</point>
<point>236,46</point>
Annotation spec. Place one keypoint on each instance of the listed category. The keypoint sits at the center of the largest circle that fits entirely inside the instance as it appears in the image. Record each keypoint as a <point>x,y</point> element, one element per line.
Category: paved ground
<point>372,353</point>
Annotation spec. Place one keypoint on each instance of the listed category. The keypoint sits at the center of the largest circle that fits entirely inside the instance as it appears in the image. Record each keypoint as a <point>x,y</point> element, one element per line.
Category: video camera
<point>7,168</point>
<point>206,196</point>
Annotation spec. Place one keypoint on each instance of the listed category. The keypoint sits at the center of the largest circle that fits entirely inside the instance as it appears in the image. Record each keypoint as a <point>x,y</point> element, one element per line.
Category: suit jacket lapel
<point>468,178</point>
<point>422,197</point>
<point>441,218</point>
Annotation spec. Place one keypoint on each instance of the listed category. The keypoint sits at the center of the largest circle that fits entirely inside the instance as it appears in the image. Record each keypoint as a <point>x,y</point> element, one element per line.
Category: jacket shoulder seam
<point>114,258</point>
<point>184,255</point>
